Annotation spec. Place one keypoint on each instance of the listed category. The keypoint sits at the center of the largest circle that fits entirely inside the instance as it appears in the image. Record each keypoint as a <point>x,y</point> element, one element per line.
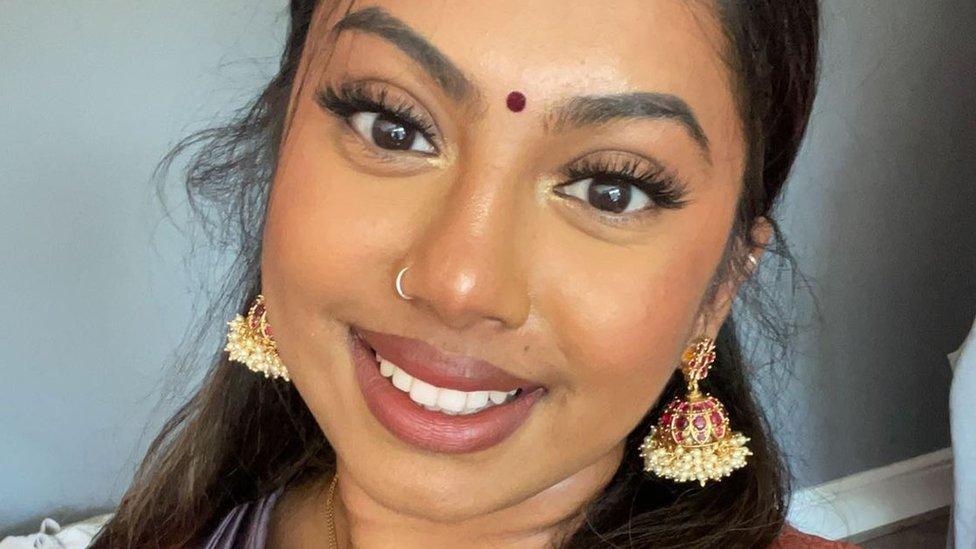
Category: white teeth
<point>424,393</point>
<point>402,380</point>
<point>476,400</point>
<point>448,401</point>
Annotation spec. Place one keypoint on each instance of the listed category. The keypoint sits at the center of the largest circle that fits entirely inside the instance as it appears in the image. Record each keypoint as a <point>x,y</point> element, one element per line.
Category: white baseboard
<point>869,500</point>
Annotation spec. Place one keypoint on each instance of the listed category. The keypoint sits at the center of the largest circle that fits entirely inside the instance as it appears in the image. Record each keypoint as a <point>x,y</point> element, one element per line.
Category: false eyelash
<point>348,99</point>
<point>665,190</point>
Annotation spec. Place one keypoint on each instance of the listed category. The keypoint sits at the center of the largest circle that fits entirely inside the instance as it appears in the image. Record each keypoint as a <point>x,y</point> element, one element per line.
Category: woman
<point>488,253</point>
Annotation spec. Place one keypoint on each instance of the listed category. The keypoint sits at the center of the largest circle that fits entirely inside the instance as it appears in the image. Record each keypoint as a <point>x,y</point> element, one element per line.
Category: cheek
<point>622,316</point>
<point>323,237</point>
<point>621,324</point>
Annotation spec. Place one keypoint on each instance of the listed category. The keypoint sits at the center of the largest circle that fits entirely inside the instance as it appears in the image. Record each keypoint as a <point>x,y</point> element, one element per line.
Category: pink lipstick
<point>436,401</point>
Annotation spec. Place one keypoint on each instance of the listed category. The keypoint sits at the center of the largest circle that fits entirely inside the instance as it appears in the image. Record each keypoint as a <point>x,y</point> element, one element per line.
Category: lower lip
<point>431,430</point>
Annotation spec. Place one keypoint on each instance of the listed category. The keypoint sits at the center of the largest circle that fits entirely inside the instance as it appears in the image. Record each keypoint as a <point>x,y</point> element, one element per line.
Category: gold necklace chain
<point>330,512</point>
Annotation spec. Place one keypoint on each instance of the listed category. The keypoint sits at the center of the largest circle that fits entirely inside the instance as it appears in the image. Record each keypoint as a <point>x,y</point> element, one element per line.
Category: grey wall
<point>96,294</point>
<point>882,213</point>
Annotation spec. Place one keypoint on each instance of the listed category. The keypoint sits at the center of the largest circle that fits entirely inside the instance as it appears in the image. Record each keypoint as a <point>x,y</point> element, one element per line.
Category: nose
<point>466,266</point>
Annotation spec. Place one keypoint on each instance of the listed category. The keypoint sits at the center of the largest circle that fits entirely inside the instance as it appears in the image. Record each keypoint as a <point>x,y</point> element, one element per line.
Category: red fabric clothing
<point>791,538</point>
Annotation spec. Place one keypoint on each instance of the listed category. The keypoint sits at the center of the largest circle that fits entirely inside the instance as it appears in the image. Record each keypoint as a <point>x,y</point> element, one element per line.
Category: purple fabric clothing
<point>244,526</point>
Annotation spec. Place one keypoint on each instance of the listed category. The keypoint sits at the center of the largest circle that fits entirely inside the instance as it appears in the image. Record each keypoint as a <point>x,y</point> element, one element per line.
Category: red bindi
<point>515,101</point>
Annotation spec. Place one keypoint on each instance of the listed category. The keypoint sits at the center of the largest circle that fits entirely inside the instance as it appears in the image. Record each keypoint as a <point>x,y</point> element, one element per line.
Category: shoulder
<point>246,525</point>
<point>791,538</point>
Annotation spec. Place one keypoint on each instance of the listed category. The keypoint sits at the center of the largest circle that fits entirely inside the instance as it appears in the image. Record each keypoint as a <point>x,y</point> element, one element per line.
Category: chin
<point>441,492</point>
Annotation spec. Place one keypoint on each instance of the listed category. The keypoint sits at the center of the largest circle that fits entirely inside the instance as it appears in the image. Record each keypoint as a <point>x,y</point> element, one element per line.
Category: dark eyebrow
<point>599,109</point>
<point>377,21</point>
<point>578,111</point>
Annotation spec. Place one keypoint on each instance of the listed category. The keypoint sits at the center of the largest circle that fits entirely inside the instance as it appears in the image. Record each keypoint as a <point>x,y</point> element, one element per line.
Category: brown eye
<point>607,193</point>
<point>390,133</point>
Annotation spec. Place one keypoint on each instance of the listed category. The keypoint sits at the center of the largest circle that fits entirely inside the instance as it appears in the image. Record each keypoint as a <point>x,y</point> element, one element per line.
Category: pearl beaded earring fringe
<point>250,341</point>
<point>692,440</point>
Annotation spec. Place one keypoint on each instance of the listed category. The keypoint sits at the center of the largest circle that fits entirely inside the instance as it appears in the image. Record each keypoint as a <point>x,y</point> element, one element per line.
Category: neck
<point>542,520</point>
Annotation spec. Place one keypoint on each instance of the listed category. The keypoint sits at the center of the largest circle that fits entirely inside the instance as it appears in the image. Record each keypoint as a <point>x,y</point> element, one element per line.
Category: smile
<point>441,399</point>
<point>435,401</point>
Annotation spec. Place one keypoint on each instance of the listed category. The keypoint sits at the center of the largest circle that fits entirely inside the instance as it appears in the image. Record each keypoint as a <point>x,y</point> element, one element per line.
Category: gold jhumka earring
<point>250,341</point>
<point>692,440</point>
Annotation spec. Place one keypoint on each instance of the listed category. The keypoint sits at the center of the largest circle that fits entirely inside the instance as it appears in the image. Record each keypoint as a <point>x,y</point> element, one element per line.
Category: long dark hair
<point>227,444</point>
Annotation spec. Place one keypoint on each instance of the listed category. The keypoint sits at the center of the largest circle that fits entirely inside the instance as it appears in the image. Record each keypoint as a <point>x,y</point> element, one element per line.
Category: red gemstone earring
<point>250,341</point>
<point>692,440</point>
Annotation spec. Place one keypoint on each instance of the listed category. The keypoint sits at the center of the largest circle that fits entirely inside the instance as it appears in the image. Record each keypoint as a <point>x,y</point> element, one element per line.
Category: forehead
<point>555,49</point>
<point>611,40</point>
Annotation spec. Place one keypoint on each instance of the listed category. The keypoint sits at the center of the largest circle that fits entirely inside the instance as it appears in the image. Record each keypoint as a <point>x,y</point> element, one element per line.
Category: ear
<point>714,313</point>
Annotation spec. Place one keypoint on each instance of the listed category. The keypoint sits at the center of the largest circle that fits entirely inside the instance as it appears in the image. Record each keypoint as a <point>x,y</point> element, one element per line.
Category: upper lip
<point>425,362</point>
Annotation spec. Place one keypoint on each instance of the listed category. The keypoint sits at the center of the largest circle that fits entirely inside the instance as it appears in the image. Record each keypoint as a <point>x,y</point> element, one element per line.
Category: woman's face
<point>570,244</point>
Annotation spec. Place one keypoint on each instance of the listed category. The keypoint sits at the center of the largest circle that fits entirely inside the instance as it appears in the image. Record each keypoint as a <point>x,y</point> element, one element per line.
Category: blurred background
<point>100,286</point>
